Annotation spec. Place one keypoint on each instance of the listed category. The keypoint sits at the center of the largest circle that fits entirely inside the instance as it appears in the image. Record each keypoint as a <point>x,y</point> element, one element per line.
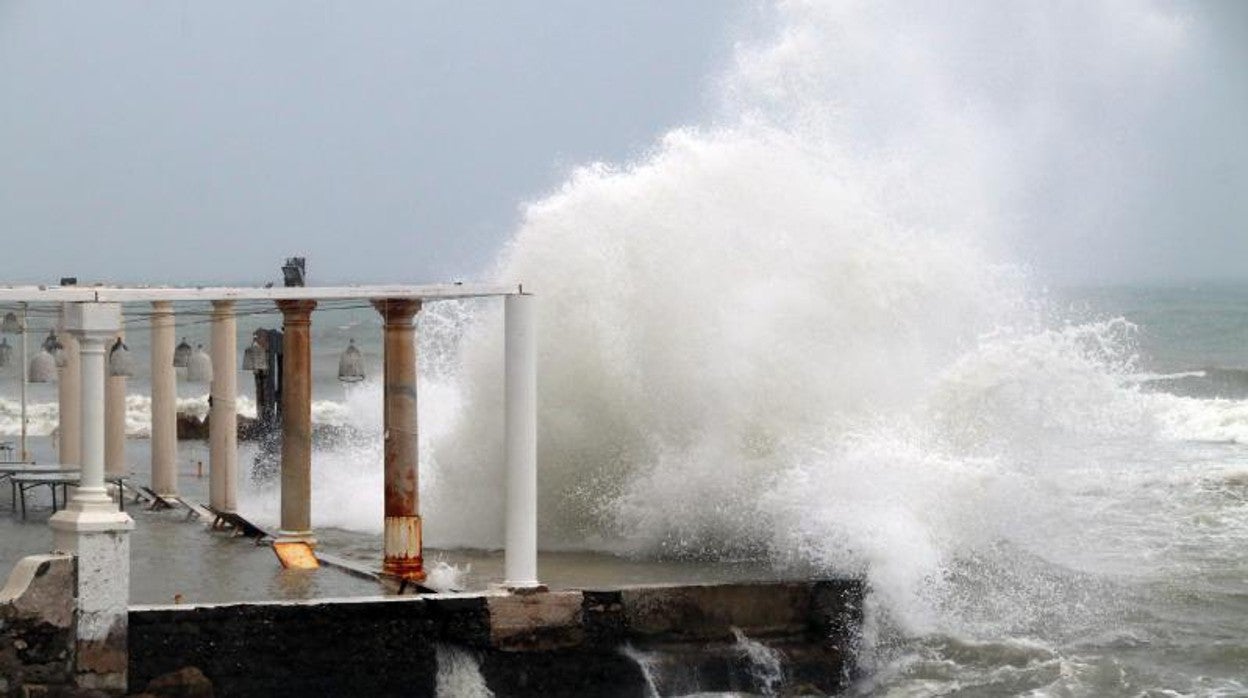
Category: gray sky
<point>395,141</point>
<point>387,141</point>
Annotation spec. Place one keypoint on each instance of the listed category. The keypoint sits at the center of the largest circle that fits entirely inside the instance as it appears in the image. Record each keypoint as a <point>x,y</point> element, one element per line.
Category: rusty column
<point>402,536</point>
<point>296,524</point>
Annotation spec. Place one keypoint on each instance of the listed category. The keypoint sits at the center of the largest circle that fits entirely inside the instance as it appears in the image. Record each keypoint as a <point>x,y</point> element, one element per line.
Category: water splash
<point>766,664</point>
<point>648,665</point>
<point>794,333</point>
<point>459,674</point>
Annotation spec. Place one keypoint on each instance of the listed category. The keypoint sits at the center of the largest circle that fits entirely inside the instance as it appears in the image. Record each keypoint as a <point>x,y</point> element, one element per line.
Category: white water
<point>766,664</point>
<point>794,332</point>
<point>459,674</point>
<point>41,417</point>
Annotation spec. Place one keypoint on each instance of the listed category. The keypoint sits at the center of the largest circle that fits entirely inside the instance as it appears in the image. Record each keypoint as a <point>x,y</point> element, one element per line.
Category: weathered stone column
<point>164,402</point>
<point>403,556</point>
<point>68,391</point>
<point>114,417</point>
<point>90,526</point>
<point>520,358</point>
<point>223,415</point>
<point>296,524</point>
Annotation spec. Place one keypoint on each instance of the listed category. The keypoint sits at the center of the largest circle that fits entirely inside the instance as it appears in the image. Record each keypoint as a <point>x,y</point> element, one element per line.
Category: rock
<point>187,682</point>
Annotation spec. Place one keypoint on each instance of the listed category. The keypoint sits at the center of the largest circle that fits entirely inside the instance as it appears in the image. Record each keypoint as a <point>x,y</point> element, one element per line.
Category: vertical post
<point>403,546</point>
<point>223,415</point>
<point>25,380</point>
<point>296,524</point>
<point>69,398</point>
<point>520,556</point>
<point>114,417</point>
<point>91,526</point>
<point>164,402</point>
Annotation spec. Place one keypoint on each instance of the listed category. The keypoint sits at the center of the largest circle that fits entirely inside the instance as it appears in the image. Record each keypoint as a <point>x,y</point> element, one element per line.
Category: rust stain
<point>296,555</point>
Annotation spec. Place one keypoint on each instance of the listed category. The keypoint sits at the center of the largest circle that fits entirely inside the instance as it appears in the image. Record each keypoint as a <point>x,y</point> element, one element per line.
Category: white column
<point>114,418</point>
<point>90,526</point>
<point>520,557</point>
<point>164,402</point>
<point>223,415</point>
<point>25,369</point>
<point>68,393</point>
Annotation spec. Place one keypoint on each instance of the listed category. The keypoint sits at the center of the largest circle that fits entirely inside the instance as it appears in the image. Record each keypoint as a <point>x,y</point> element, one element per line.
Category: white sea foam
<point>459,674</point>
<point>790,333</point>
<point>42,417</point>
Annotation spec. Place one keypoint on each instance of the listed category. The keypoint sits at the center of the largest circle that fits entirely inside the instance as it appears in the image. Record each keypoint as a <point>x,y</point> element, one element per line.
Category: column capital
<point>397,311</point>
<point>94,322</point>
<point>296,308</point>
<point>227,304</point>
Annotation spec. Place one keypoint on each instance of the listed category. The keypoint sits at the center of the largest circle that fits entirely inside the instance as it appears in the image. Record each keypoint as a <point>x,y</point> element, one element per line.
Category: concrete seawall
<point>614,642</point>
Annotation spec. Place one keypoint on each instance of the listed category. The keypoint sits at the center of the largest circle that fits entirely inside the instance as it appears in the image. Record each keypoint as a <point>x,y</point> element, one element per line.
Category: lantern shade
<point>11,324</point>
<point>255,358</point>
<point>199,366</point>
<point>51,343</point>
<point>351,364</point>
<point>182,355</point>
<point>42,368</point>
<point>6,353</point>
<point>120,363</point>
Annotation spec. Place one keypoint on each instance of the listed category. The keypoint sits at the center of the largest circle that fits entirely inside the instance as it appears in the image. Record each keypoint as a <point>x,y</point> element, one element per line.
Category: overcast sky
<point>386,141</point>
<point>396,141</point>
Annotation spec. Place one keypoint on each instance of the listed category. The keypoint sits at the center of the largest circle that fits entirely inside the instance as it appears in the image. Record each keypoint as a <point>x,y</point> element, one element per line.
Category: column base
<point>402,549</point>
<point>100,541</point>
<point>87,518</point>
<point>521,589</point>
<point>305,537</point>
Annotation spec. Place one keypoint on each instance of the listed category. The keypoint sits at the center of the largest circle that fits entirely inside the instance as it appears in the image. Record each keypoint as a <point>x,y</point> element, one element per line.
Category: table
<point>10,470</point>
<point>64,479</point>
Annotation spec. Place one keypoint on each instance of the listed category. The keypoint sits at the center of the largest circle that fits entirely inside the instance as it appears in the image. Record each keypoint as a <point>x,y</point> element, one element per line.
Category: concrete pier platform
<point>629,641</point>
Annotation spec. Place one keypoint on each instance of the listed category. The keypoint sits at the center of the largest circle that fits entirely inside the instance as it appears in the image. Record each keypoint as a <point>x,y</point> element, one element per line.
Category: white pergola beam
<point>134,294</point>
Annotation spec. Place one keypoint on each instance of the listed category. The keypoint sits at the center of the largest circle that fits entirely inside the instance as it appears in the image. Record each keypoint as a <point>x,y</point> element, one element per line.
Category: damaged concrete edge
<point>37,625</point>
<point>28,570</point>
<point>561,642</point>
<point>43,586</point>
<point>414,598</point>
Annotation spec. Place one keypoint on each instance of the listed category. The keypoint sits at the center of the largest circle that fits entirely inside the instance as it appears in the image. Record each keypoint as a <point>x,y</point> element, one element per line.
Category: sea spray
<point>766,664</point>
<point>459,674</point>
<point>793,333</point>
<point>648,665</point>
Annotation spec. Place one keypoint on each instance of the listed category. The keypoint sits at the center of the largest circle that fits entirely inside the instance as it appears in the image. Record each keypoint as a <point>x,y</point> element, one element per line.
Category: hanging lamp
<point>351,364</point>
